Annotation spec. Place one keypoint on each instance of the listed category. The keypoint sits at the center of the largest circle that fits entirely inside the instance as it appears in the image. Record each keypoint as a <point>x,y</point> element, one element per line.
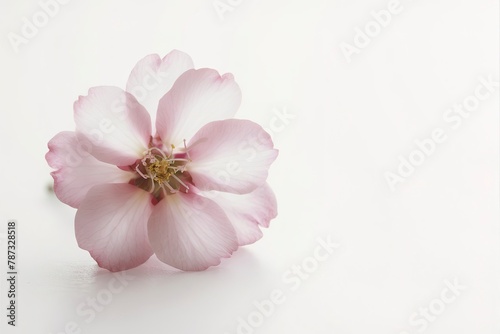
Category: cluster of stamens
<point>163,170</point>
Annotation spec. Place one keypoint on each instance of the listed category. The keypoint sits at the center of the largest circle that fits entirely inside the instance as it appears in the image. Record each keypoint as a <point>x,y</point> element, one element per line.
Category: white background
<point>351,122</point>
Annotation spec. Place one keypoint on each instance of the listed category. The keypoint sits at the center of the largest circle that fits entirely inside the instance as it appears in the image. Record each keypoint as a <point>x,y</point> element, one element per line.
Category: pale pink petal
<point>111,224</point>
<point>153,77</point>
<point>116,124</point>
<point>196,98</point>
<point>231,155</point>
<point>190,232</point>
<point>246,212</point>
<point>77,170</point>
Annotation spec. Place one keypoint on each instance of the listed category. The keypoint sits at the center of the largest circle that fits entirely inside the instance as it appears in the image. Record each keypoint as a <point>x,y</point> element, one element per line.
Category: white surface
<point>352,121</point>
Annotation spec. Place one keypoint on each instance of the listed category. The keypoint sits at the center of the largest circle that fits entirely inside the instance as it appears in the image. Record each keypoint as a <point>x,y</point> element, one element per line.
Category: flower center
<point>162,174</point>
<point>160,170</point>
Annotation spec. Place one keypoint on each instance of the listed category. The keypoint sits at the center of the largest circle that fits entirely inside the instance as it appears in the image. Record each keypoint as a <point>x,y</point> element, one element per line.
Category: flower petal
<point>246,212</point>
<point>153,77</point>
<point>196,98</point>
<point>116,124</point>
<point>190,232</point>
<point>111,224</point>
<point>231,155</point>
<point>77,170</point>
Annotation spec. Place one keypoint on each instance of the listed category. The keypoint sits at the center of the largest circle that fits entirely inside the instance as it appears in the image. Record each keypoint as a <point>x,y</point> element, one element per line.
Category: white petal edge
<point>247,212</point>
<point>77,170</point>
<point>152,77</point>
<point>196,98</point>
<point>231,155</point>
<point>111,224</point>
<point>190,232</point>
<point>118,127</point>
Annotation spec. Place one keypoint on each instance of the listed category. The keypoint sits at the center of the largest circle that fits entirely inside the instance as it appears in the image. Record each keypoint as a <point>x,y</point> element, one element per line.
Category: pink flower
<point>191,193</point>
